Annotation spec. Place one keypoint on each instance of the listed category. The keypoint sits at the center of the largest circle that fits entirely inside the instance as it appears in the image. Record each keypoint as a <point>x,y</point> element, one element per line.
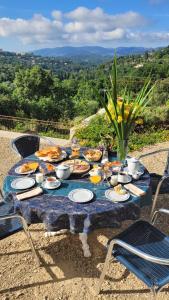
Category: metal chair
<point>143,250</point>
<point>163,178</point>
<point>26,145</point>
<point>14,215</point>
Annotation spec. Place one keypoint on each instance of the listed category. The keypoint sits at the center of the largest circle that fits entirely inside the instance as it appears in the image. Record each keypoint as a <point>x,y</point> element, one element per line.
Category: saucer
<point>45,186</point>
<point>126,179</point>
<point>140,171</point>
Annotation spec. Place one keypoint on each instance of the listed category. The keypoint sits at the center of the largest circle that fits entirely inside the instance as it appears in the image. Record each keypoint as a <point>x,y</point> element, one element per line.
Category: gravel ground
<point>66,274</point>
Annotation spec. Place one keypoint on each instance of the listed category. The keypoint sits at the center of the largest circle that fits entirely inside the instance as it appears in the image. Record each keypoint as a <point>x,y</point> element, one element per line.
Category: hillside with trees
<point>59,89</point>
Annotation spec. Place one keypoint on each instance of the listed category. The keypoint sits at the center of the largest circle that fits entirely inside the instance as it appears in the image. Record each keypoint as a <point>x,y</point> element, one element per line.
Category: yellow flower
<point>119,98</point>
<point>139,121</point>
<point>119,119</point>
<point>126,114</point>
<point>128,106</point>
<point>119,103</point>
<point>111,111</point>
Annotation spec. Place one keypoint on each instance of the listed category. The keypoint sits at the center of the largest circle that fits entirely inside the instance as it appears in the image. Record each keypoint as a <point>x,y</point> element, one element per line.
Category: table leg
<point>53,233</point>
<point>85,246</point>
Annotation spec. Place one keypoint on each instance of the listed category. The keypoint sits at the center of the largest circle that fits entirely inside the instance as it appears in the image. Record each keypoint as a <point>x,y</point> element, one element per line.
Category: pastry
<point>93,154</point>
<point>120,190</point>
<point>50,152</point>
<point>30,166</point>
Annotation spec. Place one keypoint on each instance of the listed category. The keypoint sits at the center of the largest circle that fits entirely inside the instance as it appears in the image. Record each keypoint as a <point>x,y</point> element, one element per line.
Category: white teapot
<point>63,171</point>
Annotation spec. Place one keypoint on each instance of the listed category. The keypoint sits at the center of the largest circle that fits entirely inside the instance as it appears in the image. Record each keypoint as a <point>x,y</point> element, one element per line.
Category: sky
<point>35,24</point>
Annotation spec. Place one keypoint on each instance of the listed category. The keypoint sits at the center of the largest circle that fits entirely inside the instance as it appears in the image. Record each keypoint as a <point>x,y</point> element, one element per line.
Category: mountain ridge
<point>70,51</point>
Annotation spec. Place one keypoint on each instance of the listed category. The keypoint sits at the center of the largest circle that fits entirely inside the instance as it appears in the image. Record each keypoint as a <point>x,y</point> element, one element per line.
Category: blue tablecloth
<point>56,211</point>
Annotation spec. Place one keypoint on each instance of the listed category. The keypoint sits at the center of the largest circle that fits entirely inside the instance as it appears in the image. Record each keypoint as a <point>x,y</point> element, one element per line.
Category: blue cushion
<point>150,240</point>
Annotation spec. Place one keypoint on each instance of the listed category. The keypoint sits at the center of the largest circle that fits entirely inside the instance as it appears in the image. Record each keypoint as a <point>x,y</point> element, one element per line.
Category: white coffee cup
<point>50,181</point>
<point>122,177</point>
<point>133,165</point>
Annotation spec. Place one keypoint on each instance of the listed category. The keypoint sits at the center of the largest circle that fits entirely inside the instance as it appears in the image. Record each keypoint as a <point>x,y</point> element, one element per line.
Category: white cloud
<point>78,27</point>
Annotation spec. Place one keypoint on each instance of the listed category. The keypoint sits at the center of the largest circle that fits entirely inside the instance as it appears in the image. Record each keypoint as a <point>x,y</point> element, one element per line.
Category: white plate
<point>46,158</point>
<point>45,186</point>
<point>17,171</point>
<point>22,183</point>
<point>113,196</point>
<point>81,195</point>
<point>128,179</point>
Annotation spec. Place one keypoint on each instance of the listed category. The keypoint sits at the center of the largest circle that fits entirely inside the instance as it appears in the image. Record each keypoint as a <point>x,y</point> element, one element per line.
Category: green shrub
<point>138,141</point>
<point>154,115</point>
<point>93,134</point>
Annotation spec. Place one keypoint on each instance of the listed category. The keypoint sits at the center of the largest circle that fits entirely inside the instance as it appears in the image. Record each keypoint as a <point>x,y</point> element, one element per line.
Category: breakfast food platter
<point>78,166</point>
<point>51,154</point>
<point>92,155</point>
<point>27,168</point>
<point>113,164</point>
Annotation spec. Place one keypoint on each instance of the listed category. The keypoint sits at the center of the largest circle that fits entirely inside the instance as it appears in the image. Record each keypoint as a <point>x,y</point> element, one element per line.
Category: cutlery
<point>84,174</point>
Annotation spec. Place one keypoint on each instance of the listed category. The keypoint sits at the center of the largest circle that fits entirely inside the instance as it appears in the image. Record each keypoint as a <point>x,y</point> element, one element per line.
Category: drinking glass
<point>96,177</point>
<point>75,147</point>
<point>39,178</point>
<point>107,174</point>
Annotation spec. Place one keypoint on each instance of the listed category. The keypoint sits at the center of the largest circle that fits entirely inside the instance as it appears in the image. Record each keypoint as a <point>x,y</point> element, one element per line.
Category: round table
<point>57,212</point>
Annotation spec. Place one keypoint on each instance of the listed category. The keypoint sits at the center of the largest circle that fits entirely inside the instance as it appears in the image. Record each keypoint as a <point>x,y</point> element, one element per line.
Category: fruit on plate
<point>29,166</point>
<point>78,165</point>
<point>51,152</point>
<point>120,190</point>
<point>92,154</point>
<point>114,163</point>
<point>47,167</point>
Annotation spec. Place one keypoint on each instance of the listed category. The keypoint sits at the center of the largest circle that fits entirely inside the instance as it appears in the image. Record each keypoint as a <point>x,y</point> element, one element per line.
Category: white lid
<point>133,159</point>
<point>62,167</point>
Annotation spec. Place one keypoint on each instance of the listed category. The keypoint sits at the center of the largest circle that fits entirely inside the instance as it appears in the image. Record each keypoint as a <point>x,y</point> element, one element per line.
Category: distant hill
<point>89,51</point>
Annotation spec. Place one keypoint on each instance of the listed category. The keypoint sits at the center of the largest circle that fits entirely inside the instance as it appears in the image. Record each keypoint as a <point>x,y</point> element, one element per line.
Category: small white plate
<point>22,183</point>
<point>45,186</point>
<point>140,171</point>
<point>127,179</point>
<point>17,171</point>
<point>113,196</point>
<point>80,195</point>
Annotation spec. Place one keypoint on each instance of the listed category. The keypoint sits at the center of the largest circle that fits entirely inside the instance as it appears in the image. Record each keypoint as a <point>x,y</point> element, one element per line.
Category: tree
<point>86,100</point>
<point>33,83</point>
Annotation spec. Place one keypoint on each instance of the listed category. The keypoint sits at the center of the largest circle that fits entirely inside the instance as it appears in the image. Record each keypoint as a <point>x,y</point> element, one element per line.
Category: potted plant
<point>123,112</point>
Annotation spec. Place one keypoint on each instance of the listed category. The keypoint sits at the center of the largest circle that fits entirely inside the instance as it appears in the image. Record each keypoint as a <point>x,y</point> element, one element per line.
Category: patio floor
<point>66,274</point>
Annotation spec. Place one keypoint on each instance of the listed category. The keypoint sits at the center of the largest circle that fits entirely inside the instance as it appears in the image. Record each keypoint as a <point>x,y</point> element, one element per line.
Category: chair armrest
<point>157,212</point>
<point>134,250</point>
<point>154,152</point>
<point>7,216</point>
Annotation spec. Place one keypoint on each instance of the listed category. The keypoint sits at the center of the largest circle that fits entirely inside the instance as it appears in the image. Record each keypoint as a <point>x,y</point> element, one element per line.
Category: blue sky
<point>33,24</point>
